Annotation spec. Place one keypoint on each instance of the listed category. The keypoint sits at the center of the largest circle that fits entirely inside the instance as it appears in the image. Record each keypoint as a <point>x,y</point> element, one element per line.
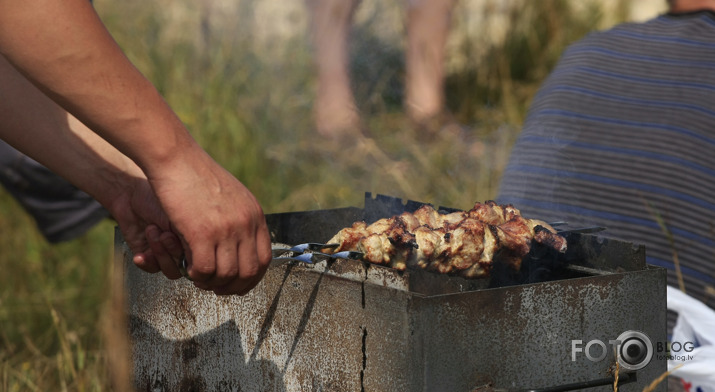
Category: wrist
<point>117,191</point>
<point>182,163</point>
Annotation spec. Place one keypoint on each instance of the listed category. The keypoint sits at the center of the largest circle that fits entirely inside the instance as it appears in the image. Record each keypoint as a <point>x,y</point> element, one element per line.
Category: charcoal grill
<point>349,326</point>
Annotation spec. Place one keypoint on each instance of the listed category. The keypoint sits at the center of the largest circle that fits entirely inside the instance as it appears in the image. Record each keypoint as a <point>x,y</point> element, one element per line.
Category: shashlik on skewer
<point>464,243</point>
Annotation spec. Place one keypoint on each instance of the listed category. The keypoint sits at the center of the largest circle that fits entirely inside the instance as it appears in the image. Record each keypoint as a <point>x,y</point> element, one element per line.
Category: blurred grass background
<point>243,83</point>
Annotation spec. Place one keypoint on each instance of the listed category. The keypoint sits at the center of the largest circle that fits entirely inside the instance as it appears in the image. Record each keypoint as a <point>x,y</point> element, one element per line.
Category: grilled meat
<point>428,247</point>
<point>350,236</point>
<point>492,213</point>
<point>546,235</point>
<point>464,243</point>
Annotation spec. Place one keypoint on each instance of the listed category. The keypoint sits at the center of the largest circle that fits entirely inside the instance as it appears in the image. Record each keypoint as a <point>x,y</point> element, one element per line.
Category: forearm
<point>44,131</point>
<point>62,46</point>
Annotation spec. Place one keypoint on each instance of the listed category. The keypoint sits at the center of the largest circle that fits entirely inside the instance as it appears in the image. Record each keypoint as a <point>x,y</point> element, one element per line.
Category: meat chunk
<point>464,243</point>
<point>492,213</point>
<point>349,237</point>
<point>428,246</point>
<point>514,238</point>
<point>428,216</point>
<point>546,235</point>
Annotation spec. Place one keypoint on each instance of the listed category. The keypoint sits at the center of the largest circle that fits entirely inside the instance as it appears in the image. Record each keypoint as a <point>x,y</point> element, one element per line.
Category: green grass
<point>254,116</point>
<point>50,301</point>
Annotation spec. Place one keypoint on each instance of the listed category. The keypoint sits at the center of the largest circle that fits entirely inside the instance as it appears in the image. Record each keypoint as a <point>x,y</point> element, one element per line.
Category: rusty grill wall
<point>354,327</point>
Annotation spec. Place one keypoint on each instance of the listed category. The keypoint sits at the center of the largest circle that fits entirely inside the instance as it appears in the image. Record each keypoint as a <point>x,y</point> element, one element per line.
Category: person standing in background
<point>335,110</point>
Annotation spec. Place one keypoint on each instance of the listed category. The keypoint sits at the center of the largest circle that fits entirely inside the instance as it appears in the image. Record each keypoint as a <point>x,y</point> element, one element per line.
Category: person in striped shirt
<point>622,135</point>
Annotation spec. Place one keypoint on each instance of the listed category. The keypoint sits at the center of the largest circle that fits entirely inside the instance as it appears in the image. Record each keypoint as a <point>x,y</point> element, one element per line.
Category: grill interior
<point>587,255</point>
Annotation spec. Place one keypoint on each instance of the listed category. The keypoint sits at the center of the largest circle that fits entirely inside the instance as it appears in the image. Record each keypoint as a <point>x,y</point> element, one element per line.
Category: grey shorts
<point>61,211</point>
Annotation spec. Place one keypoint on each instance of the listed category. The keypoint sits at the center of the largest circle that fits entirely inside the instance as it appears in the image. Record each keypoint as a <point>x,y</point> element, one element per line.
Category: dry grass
<point>654,384</point>
<point>50,299</point>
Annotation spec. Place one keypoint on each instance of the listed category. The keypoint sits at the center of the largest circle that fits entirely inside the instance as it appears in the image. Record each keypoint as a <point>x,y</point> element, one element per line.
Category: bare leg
<point>335,109</point>
<point>428,24</point>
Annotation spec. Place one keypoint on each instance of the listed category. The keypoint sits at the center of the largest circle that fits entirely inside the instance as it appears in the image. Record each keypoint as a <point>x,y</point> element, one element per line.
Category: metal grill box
<point>349,326</point>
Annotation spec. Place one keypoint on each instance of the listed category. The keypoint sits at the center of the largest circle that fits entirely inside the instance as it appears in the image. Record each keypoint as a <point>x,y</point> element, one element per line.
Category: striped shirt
<point>622,135</point>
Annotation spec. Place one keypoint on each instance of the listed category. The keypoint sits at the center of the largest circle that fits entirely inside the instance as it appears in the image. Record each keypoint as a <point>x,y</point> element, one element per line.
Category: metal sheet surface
<point>521,337</point>
<point>305,330</point>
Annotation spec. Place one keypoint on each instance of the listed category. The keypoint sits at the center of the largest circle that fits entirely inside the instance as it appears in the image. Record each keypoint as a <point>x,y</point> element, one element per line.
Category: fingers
<point>253,261</point>
<point>238,268</point>
<point>166,249</point>
<point>227,269</point>
<point>227,265</point>
<point>146,261</point>
<point>247,270</point>
<point>143,256</point>
<point>201,258</point>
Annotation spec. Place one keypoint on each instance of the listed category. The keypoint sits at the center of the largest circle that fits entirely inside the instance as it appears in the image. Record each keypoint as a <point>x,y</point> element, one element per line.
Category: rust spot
<point>158,383</point>
<point>189,350</point>
<point>341,267</point>
<point>182,308</point>
<point>192,384</point>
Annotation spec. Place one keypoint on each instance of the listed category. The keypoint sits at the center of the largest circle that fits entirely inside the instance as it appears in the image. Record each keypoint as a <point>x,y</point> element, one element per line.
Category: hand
<point>63,47</point>
<point>134,209</point>
<point>219,222</point>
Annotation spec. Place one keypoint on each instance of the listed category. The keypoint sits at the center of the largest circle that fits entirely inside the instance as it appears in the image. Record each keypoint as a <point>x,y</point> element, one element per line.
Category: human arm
<point>45,131</point>
<point>65,50</point>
